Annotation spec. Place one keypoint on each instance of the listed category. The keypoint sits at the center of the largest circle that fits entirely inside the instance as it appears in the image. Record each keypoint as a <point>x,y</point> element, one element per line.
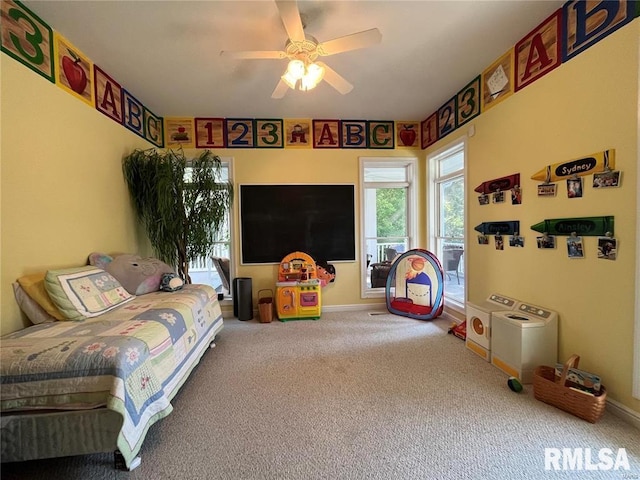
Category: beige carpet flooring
<point>351,396</point>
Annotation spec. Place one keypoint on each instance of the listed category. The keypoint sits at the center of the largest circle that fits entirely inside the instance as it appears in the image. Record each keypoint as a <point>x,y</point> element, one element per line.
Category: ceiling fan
<point>303,71</point>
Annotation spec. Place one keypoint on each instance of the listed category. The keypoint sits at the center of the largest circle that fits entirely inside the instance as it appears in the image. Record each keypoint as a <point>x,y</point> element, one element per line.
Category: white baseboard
<point>449,317</point>
<point>630,416</point>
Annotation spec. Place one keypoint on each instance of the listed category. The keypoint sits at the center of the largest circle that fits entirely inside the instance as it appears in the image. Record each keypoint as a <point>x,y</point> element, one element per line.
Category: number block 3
<point>26,38</point>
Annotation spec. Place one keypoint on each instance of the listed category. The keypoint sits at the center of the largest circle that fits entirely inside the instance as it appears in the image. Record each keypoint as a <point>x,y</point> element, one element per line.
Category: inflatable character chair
<point>415,285</point>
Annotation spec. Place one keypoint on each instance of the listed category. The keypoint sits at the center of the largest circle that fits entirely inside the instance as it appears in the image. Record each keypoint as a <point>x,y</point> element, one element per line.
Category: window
<point>216,269</point>
<point>447,218</point>
<point>387,215</point>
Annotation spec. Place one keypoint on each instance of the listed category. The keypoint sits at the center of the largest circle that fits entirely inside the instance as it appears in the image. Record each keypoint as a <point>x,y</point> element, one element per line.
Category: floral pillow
<point>84,291</point>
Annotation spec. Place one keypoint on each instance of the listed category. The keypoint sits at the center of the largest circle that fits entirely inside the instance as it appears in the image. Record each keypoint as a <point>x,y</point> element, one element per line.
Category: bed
<point>98,384</point>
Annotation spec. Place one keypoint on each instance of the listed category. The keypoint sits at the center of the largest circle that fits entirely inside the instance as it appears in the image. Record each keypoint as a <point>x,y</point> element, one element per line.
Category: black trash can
<point>242,298</point>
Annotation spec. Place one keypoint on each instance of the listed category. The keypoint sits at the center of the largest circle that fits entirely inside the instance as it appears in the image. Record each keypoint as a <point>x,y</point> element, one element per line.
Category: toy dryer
<point>298,290</point>
<point>415,285</point>
<point>479,322</point>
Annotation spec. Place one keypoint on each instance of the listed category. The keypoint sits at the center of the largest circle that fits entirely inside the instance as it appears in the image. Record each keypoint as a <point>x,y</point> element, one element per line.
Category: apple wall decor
<point>408,134</point>
<point>75,71</point>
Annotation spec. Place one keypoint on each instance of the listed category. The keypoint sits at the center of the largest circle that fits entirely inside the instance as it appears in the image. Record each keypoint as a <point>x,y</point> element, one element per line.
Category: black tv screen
<point>276,220</point>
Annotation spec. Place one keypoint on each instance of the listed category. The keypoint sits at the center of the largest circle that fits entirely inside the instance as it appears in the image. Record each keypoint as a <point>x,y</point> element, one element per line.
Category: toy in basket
<point>558,392</point>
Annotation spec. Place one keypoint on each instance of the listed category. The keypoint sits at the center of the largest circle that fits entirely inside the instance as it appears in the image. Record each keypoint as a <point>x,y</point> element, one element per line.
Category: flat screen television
<point>276,220</point>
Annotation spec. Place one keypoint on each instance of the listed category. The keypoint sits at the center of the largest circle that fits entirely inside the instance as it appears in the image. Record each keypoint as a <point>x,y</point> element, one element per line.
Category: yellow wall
<point>587,105</point>
<point>63,195</point>
<point>307,166</point>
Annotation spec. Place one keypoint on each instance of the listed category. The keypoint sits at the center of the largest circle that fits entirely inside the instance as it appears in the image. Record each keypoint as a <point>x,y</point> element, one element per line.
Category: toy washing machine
<point>523,339</point>
<point>479,323</point>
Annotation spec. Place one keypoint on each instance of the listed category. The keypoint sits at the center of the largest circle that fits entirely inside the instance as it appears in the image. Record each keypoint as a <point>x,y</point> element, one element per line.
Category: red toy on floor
<point>459,330</point>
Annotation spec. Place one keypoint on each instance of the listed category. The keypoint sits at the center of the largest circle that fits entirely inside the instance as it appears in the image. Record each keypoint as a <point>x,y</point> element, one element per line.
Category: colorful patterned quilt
<point>131,360</point>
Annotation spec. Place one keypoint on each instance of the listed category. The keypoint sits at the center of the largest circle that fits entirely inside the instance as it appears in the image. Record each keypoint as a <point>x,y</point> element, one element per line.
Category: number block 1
<point>210,133</point>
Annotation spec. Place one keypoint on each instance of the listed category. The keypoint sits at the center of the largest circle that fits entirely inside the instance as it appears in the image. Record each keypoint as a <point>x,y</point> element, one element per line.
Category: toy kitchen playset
<point>298,290</point>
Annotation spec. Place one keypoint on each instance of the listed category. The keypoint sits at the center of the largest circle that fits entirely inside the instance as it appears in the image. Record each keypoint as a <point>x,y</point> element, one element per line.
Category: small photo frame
<point>574,187</point>
<point>499,242</point>
<point>547,190</point>
<point>498,197</point>
<point>574,247</point>
<point>483,239</point>
<point>483,199</point>
<point>607,248</point>
<point>546,241</point>
<point>516,195</point>
<point>516,241</point>
<point>606,179</point>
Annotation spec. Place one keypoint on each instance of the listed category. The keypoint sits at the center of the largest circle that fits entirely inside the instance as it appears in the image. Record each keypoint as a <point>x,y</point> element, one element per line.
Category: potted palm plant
<point>181,203</point>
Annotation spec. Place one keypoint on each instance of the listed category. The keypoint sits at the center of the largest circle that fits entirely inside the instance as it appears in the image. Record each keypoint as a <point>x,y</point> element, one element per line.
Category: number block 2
<point>447,118</point>
<point>239,132</point>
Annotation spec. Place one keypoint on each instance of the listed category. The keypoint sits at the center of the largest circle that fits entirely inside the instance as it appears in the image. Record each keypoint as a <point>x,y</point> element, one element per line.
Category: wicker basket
<point>547,390</point>
<point>265,307</point>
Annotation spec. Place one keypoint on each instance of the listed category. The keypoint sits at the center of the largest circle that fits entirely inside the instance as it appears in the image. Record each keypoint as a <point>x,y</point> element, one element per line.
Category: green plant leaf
<point>182,203</point>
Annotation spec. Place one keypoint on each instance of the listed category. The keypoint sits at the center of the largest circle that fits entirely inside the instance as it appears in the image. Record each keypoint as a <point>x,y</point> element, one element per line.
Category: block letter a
<point>537,55</point>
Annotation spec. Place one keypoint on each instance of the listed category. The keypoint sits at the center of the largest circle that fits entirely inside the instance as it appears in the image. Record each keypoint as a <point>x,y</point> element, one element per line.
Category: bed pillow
<point>84,291</point>
<point>34,312</point>
<point>136,274</point>
<point>33,285</point>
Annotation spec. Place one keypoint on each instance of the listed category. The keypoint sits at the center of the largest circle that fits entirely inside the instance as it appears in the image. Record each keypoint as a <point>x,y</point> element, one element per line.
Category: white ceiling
<point>166,53</point>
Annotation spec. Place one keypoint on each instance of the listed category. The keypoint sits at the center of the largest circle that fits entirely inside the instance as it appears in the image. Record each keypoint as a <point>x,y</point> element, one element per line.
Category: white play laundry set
<point>514,336</point>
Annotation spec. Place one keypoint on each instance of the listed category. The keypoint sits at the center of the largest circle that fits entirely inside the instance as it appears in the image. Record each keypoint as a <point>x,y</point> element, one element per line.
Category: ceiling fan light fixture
<point>312,77</point>
<point>296,69</point>
<point>289,80</point>
<point>303,50</point>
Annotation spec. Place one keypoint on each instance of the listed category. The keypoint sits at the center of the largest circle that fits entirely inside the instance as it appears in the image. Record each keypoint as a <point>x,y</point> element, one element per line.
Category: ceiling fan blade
<point>336,80</point>
<point>350,42</point>
<point>280,90</point>
<point>291,19</point>
<point>254,54</point>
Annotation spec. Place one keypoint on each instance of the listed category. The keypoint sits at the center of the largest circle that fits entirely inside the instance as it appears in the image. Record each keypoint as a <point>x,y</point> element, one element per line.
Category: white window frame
<point>433,207</point>
<point>228,162</point>
<point>232,215</point>
<point>636,344</point>
<point>411,164</point>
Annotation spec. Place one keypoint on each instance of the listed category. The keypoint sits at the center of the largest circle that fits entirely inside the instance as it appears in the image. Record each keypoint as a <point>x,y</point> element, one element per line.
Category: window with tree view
<point>387,217</point>
<point>215,269</point>
<point>447,218</point>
